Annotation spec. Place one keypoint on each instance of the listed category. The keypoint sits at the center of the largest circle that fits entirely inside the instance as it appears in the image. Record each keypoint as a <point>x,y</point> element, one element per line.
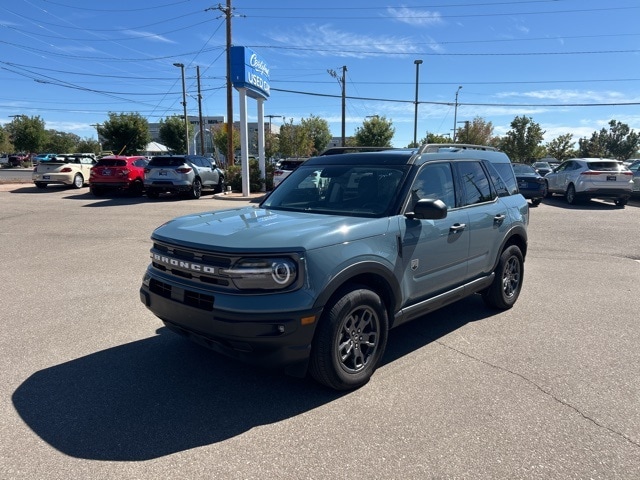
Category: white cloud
<point>325,40</point>
<point>417,18</point>
<point>148,36</point>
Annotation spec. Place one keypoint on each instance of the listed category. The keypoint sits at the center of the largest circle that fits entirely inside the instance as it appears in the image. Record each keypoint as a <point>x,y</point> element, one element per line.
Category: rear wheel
<point>536,201</point>
<point>350,340</point>
<point>570,195</point>
<point>621,202</point>
<point>78,181</point>
<point>196,189</point>
<point>41,185</point>
<point>97,191</point>
<point>136,188</point>
<point>506,286</point>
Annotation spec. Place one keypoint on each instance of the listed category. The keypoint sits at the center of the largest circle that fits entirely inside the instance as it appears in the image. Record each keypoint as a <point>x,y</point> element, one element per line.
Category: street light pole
<point>184,104</point>
<point>415,117</point>
<point>455,116</point>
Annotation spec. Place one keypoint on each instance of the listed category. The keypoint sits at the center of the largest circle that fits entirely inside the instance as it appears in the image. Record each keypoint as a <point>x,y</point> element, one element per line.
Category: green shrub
<point>233,177</point>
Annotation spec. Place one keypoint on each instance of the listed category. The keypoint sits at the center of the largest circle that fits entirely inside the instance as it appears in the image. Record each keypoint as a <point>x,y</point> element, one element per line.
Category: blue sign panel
<point>249,71</point>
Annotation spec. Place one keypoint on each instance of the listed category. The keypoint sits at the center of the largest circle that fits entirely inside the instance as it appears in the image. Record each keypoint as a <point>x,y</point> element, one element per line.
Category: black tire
<point>350,339</point>
<point>621,202</point>
<point>220,186</point>
<point>506,286</point>
<point>570,195</point>
<point>41,185</point>
<point>78,181</point>
<point>536,201</point>
<point>196,189</point>
<point>97,191</point>
<point>136,188</point>
<point>152,193</point>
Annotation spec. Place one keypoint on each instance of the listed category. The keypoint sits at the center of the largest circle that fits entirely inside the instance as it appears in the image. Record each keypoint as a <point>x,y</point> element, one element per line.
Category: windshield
<point>339,190</point>
<point>521,169</point>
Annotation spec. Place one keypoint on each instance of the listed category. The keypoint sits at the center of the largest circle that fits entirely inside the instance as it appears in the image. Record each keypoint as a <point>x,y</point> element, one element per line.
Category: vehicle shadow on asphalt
<point>594,204</point>
<point>162,395</point>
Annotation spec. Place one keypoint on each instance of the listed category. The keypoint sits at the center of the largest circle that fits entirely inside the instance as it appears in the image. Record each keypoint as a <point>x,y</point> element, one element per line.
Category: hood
<point>258,229</point>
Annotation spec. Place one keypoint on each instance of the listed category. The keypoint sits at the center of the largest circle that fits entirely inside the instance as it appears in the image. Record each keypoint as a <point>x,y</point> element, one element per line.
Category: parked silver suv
<point>183,174</point>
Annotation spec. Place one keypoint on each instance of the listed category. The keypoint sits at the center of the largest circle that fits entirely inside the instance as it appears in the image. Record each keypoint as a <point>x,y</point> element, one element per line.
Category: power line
<point>459,104</point>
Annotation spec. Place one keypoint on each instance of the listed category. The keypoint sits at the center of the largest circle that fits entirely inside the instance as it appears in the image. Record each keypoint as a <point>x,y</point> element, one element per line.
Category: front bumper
<point>266,339</point>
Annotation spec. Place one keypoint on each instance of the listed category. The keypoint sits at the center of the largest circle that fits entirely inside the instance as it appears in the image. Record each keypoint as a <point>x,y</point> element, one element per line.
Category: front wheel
<point>621,202</point>
<point>536,201</point>
<point>506,286</point>
<point>350,340</point>
<point>220,186</point>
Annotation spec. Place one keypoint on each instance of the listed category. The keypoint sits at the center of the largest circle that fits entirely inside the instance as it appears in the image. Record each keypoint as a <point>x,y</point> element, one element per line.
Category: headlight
<point>263,273</point>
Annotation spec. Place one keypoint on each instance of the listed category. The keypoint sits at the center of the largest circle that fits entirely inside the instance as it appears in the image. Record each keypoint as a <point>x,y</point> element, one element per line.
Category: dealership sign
<point>249,71</point>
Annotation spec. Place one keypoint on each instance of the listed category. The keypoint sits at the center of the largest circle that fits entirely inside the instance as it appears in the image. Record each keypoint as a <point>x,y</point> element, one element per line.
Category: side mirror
<point>428,209</point>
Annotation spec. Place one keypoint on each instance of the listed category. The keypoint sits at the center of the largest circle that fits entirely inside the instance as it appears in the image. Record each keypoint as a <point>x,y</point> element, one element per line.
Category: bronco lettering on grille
<point>182,264</point>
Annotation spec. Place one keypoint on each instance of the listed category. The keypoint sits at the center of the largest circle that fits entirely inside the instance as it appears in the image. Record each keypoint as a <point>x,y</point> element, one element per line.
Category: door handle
<point>457,227</point>
<point>499,218</point>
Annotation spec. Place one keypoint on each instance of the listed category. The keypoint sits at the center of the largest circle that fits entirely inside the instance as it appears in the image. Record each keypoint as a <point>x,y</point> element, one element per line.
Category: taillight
<point>124,172</point>
<point>183,169</point>
<point>66,170</point>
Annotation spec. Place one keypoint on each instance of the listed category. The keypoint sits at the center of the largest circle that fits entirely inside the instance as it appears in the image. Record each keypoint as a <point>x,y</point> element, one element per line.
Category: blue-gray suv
<point>347,247</point>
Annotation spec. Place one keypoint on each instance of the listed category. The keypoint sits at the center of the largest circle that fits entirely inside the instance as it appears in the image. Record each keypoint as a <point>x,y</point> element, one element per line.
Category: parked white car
<point>69,169</point>
<point>586,178</point>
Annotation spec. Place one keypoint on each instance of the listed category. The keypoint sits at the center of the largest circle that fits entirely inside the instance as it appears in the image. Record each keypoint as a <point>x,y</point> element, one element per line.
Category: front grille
<point>187,297</point>
<point>195,265</point>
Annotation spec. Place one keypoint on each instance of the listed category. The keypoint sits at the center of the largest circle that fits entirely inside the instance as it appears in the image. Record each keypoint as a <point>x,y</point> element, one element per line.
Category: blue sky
<point>570,65</point>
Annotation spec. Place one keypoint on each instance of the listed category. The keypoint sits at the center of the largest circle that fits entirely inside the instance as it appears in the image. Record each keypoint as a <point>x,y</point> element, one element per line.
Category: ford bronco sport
<point>313,278</point>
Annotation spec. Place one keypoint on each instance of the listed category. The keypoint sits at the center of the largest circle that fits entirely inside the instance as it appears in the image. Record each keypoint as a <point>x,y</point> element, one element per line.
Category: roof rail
<point>436,147</point>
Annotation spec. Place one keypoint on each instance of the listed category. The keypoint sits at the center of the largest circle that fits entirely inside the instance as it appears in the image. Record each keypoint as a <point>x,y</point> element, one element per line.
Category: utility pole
<point>455,117</point>
<point>341,81</point>
<point>200,112</point>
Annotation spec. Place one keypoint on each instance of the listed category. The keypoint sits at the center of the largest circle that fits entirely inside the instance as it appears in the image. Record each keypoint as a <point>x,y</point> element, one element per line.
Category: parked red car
<point>118,172</point>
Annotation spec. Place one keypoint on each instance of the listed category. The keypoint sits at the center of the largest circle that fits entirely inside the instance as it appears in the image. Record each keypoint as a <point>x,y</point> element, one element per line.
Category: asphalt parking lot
<point>93,386</point>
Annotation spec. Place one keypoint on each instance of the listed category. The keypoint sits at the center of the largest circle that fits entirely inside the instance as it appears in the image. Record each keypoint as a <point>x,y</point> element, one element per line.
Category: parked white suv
<point>184,174</point>
<point>586,178</point>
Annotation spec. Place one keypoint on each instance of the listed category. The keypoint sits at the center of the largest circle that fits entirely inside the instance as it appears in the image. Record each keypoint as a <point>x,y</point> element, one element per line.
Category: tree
<point>61,142</point>
<point>172,133</point>
<point>271,145</point>
<point>294,141</point>
<point>620,142</point>
<point>5,141</point>
<point>431,138</point>
<point>27,133</point>
<point>220,139</point>
<point>522,142</point>
<point>318,130</point>
<point>476,132</point>
<point>375,132</point>
<point>88,145</point>
<point>561,147</point>
<point>125,133</point>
